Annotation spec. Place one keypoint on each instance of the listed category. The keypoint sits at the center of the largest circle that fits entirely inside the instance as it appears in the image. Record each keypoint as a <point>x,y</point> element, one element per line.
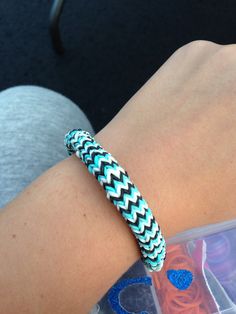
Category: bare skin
<point>63,244</point>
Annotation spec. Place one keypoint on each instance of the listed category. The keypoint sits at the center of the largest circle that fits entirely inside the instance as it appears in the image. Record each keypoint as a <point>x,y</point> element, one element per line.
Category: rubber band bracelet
<point>122,193</point>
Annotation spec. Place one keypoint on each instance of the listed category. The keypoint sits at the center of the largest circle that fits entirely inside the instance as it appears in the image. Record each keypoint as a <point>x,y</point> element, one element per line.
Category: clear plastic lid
<point>209,253</point>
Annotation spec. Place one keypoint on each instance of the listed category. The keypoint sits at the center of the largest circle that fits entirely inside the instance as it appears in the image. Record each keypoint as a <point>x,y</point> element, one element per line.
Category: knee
<point>20,89</point>
<point>33,96</point>
<point>43,104</point>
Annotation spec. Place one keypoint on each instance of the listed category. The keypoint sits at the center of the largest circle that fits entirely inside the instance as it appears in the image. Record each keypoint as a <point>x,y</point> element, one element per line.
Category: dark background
<point>112,47</point>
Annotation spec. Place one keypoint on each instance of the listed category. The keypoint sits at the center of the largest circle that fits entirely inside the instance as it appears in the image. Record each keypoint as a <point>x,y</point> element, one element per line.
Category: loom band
<point>67,140</point>
<point>85,153</point>
<point>147,228</point>
<point>131,224</point>
<point>106,163</point>
<point>185,301</point>
<point>158,260</point>
<point>147,241</point>
<point>126,206</point>
<point>83,142</point>
<point>142,220</point>
<point>171,262</point>
<point>151,220</point>
<point>69,147</point>
<point>118,185</point>
<point>127,201</point>
<point>104,182</point>
<point>138,202</point>
<point>98,158</point>
<point>149,250</point>
<point>148,233</point>
<point>89,154</point>
<point>151,233</point>
<point>154,225</point>
<point>92,167</point>
<point>158,245</point>
<point>72,133</point>
<point>69,135</point>
<point>129,217</point>
<point>175,307</point>
<point>106,166</point>
<point>168,309</point>
<point>125,188</point>
<point>154,255</point>
<point>151,227</point>
<point>120,182</point>
<point>185,259</point>
<point>142,205</point>
<point>152,243</point>
<point>74,136</point>
<point>87,144</point>
<point>109,169</point>
<point>80,142</point>
<point>156,252</point>
<point>193,293</point>
<point>151,266</point>
<point>150,246</point>
<point>158,255</point>
<point>132,227</point>
<point>191,311</point>
<point>81,133</point>
<point>102,179</point>
<point>138,206</point>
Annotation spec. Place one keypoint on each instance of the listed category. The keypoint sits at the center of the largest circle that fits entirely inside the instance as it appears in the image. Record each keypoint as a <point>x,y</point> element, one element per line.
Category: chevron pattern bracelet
<point>122,193</point>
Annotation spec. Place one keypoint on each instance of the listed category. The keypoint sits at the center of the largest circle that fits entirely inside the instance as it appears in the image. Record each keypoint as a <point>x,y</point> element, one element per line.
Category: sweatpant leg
<point>33,123</point>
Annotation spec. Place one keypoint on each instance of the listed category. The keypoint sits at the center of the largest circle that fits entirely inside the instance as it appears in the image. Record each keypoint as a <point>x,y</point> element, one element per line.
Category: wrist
<point>154,170</point>
<point>145,168</point>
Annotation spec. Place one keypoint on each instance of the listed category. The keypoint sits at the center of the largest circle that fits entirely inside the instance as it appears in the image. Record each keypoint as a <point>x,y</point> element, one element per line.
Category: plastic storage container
<point>208,252</point>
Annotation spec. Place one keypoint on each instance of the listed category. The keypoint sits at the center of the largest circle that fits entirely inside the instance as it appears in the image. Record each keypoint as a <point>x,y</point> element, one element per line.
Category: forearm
<point>63,244</point>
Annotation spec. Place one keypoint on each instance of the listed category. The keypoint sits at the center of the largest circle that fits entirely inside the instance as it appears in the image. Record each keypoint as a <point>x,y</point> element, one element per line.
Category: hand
<point>176,137</point>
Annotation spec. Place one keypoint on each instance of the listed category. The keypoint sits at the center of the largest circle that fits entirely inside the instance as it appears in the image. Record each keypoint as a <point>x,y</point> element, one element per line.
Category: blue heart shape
<point>180,278</point>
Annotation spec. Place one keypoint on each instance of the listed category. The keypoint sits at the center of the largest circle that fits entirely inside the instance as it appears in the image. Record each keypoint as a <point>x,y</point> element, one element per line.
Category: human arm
<point>63,244</point>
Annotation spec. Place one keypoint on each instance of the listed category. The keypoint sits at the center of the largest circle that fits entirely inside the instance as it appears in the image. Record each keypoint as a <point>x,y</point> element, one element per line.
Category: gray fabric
<point>33,122</point>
